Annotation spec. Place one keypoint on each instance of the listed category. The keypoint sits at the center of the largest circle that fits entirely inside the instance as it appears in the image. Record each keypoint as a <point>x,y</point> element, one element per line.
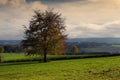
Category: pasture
<point>21,57</point>
<point>107,68</point>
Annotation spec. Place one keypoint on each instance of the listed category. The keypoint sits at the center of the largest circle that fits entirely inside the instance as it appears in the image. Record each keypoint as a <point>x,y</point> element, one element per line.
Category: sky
<point>83,18</point>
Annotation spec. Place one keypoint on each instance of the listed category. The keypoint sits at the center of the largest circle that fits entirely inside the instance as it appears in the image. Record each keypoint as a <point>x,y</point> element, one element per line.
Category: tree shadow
<point>19,63</point>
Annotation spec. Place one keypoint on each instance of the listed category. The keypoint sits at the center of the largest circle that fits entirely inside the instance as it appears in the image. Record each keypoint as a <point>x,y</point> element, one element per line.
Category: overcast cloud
<point>84,18</point>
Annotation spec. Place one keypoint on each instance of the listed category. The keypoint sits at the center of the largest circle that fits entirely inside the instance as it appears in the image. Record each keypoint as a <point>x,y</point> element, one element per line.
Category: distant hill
<point>81,40</point>
<point>10,42</point>
<point>97,40</point>
<point>85,45</point>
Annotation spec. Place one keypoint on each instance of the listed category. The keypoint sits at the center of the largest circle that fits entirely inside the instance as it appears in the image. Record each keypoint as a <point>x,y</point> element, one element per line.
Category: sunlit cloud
<point>84,18</point>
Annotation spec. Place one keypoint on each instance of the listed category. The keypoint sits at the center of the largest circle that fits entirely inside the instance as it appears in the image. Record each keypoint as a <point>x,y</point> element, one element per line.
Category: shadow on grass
<point>17,63</point>
<point>21,63</point>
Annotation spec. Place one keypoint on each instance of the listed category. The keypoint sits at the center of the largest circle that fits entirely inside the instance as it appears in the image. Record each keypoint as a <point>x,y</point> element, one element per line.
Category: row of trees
<point>18,49</point>
<point>1,50</point>
<point>11,49</point>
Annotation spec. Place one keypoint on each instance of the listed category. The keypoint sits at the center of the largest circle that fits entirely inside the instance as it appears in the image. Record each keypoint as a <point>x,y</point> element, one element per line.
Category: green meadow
<point>21,57</point>
<point>106,68</point>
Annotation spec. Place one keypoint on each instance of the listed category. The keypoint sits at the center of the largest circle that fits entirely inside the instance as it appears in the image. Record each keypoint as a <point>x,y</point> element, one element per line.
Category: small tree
<point>45,34</point>
<point>74,49</point>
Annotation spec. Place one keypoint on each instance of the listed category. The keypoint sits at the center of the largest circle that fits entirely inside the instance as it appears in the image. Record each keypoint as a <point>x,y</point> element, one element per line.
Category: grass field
<point>107,68</point>
<point>16,56</point>
<point>20,57</point>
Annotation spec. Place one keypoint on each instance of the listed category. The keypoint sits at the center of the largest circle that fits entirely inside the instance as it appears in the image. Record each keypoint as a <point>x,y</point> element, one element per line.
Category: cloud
<point>84,18</point>
<point>57,1</point>
<point>92,18</point>
<point>110,29</point>
<point>88,11</point>
<point>12,2</point>
<point>3,2</point>
<point>14,14</point>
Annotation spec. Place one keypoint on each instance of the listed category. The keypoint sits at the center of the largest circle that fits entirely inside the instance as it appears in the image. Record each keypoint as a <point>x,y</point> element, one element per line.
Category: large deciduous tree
<point>45,34</point>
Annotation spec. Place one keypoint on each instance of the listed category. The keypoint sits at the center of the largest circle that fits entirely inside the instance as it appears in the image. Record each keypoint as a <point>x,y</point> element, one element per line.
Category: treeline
<point>11,49</point>
<point>86,44</point>
<point>70,48</point>
<point>76,47</point>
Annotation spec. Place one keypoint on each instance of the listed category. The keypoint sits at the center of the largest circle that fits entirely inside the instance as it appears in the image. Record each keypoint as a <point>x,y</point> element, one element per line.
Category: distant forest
<point>84,46</point>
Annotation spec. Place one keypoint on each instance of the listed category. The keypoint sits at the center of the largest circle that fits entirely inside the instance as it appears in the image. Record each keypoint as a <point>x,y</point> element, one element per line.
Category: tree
<point>45,34</point>
<point>74,49</point>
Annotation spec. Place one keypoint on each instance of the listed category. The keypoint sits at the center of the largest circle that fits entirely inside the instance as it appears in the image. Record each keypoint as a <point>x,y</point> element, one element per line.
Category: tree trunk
<point>45,55</point>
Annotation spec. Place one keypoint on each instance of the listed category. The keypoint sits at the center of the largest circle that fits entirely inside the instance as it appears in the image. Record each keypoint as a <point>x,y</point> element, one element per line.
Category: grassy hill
<point>107,68</point>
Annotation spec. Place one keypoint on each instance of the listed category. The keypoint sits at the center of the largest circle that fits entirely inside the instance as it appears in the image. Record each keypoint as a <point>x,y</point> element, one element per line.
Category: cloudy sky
<point>84,18</point>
